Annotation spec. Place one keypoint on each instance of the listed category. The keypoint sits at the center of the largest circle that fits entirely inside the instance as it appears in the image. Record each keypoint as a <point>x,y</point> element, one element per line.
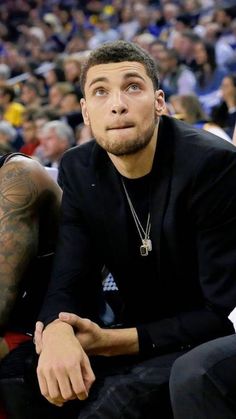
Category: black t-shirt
<point>144,285</point>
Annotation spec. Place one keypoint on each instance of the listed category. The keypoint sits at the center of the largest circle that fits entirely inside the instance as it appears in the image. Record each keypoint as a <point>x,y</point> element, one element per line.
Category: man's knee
<point>188,370</point>
<point>186,374</point>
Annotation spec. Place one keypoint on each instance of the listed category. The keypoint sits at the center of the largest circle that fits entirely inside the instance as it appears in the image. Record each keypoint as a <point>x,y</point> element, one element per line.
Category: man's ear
<point>160,105</point>
<point>84,112</point>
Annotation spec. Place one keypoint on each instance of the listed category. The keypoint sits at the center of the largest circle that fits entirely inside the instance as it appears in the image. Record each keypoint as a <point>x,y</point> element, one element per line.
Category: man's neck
<point>136,165</point>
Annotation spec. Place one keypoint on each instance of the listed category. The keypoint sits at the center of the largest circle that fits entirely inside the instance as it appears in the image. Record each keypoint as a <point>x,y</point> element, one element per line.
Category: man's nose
<point>118,104</point>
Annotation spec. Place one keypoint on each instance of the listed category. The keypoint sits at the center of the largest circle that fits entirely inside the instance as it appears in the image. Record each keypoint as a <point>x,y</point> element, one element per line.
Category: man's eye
<point>100,92</point>
<point>133,87</point>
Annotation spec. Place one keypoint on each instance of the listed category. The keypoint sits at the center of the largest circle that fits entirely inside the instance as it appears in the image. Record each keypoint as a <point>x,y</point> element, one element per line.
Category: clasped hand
<point>64,371</point>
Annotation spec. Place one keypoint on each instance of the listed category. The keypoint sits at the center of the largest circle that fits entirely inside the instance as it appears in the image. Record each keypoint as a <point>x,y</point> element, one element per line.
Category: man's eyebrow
<point>133,74</point>
<point>98,79</point>
<point>126,76</point>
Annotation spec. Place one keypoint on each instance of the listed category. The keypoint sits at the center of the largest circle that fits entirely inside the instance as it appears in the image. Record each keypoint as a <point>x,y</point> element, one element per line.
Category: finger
<point>56,402</point>
<point>63,390</point>
<point>88,374</point>
<point>42,384</point>
<point>38,337</point>
<point>78,385</point>
<point>50,390</point>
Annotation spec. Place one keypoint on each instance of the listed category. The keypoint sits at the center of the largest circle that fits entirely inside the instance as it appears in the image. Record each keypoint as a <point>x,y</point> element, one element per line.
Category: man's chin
<point>128,150</point>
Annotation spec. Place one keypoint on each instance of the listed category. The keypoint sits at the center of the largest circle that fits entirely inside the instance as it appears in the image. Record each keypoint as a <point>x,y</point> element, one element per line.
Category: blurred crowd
<point>43,44</point>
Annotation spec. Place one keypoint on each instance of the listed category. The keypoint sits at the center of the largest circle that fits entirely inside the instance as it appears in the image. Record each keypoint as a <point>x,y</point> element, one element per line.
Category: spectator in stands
<point>30,95</point>
<point>53,76</point>
<point>55,41</point>
<point>57,92</point>
<point>225,55</point>
<point>128,26</point>
<point>209,76</point>
<point>104,32</point>
<point>170,12</point>
<point>223,15</point>
<point>7,137</point>
<point>29,135</point>
<point>156,48</point>
<point>12,110</point>
<point>56,137</point>
<point>193,9</point>
<point>189,109</point>
<point>41,117</point>
<point>144,40</point>
<point>76,44</point>
<point>72,68</point>
<point>70,109</point>
<point>5,73</point>
<point>185,48</point>
<point>143,14</point>
<point>175,79</point>
<point>225,112</point>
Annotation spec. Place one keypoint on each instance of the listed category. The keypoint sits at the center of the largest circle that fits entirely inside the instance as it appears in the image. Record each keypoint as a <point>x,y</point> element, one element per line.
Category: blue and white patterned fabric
<point>109,284</point>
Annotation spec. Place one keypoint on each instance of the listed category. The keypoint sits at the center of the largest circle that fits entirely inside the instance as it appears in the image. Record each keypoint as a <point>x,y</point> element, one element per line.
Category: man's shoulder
<point>189,137</point>
<point>195,150</point>
<point>85,154</point>
<point>25,176</point>
<point>16,161</point>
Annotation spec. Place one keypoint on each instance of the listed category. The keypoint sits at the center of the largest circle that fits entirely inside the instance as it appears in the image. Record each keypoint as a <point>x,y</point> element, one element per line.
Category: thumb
<point>38,337</point>
<point>72,319</point>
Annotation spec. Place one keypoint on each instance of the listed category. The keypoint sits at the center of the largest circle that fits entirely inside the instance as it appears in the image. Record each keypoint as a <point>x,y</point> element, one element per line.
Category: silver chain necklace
<point>146,245</point>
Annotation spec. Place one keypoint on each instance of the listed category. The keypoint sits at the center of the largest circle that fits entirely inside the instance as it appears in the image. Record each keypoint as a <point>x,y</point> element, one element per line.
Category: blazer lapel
<point>160,183</point>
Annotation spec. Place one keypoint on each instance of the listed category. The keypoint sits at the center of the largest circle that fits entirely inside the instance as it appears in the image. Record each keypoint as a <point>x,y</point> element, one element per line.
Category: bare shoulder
<point>23,181</point>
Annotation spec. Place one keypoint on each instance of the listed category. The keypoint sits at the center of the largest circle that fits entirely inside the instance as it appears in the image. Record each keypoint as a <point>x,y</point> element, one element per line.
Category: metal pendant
<point>145,247</point>
<point>143,250</point>
<point>148,243</point>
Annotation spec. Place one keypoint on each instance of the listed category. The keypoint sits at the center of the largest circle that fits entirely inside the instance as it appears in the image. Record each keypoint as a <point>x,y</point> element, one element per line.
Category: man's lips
<point>120,127</point>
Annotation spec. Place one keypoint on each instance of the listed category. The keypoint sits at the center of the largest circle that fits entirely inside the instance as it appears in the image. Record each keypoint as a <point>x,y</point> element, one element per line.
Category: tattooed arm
<point>26,192</point>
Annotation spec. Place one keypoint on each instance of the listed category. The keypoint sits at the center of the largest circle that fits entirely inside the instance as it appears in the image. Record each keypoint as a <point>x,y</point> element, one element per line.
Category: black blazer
<point>193,213</point>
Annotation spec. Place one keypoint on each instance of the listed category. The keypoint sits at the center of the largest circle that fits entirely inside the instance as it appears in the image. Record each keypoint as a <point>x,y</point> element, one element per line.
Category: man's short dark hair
<point>117,52</point>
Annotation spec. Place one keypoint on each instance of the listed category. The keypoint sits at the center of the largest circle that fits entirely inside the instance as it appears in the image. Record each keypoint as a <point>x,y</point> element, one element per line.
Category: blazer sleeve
<point>75,284</point>
<point>212,205</point>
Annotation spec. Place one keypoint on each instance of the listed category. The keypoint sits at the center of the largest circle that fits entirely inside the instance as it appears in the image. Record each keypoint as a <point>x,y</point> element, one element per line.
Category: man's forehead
<point>121,70</point>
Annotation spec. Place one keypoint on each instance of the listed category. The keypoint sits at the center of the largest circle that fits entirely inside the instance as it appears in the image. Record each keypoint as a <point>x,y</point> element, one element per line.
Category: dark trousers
<point>125,388</point>
<point>203,381</point>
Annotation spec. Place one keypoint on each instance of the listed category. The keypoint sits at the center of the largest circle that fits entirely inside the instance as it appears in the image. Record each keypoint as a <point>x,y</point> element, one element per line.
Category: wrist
<point>118,342</point>
<point>57,328</point>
